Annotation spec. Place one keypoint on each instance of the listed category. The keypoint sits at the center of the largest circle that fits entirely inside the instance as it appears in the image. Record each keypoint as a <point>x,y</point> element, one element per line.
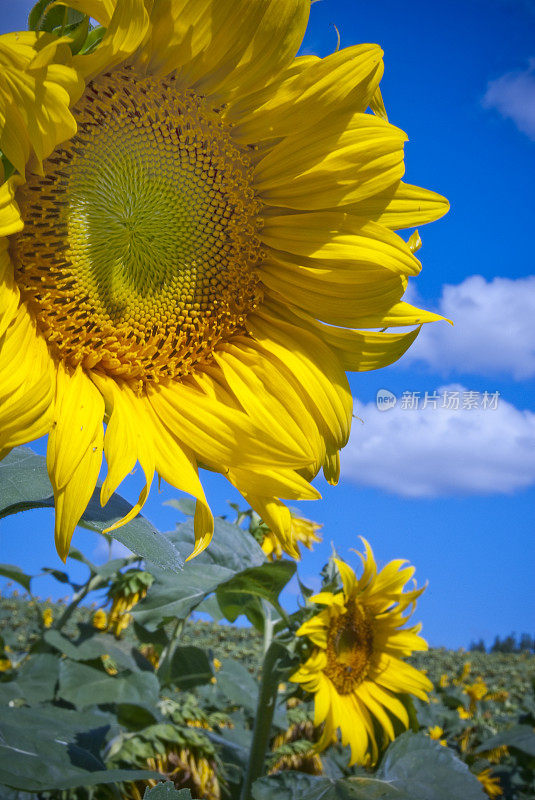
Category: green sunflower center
<point>349,648</point>
<point>139,245</point>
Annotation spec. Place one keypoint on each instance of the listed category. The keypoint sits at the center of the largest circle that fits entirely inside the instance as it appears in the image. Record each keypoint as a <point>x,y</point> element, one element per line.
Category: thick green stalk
<point>267,697</point>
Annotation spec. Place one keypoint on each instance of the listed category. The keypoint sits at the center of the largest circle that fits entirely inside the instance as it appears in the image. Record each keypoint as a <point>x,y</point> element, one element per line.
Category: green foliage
<point>89,714</point>
<point>166,791</point>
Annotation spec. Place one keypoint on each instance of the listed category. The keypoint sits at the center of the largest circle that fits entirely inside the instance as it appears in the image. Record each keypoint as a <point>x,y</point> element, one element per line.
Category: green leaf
<point>298,786</point>
<point>93,39</point>
<point>238,686</point>
<point>170,597</point>
<point>55,748</point>
<point>24,484</point>
<point>166,791</point>
<point>16,574</point>
<point>424,770</point>
<point>266,581</point>
<point>37,677</point>
<point>521,737</point>
<point>36,14</point>
<point>189,667</point>
<point>185,505</point>
<point>94,646</point>
<point>84,686</point>
<point>413,768</point>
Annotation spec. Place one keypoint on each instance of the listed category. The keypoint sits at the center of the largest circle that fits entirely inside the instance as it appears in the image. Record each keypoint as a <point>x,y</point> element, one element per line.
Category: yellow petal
<point>72,499</point>
<point>357,351</point>
<point>27,382</point>
<point>227,45</point>
<point>337,85</point>
<point>127,440</point>
<point>261,405</point>
<point>74,452</point>
<point>281,397</point>
<point>9,292</point>
<point>277,517</point>
<point>341,163</point>
<point>38,84</point>
<point>219,434</point>
<point>349,580</point>
<point>78,416</point>
<point>101,10</point>
<point>280,482</point>
<point>340,240</point>
<point>10,219</point>
<point>314,366</point>
<point>126,30</point>
<point>402,206</point>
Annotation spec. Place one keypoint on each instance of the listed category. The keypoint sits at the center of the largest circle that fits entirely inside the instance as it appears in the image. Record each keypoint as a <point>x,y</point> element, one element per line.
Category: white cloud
<point>440,451</point>
<point>513,95</point>
<point>493,331</point>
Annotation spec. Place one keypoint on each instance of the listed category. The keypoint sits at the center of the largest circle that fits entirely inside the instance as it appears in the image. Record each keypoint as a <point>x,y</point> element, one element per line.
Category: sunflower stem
<point>267,696</point>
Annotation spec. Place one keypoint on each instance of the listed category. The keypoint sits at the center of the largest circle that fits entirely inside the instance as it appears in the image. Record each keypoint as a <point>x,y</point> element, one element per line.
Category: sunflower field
<point>135,696</point>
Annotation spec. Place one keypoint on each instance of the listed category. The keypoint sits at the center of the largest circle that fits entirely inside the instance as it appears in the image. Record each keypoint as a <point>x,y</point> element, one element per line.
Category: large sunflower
<point>198,228</point>
<point>355,669</point>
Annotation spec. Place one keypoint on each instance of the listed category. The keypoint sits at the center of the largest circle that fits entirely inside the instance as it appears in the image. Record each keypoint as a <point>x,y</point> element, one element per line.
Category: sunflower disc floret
<point>196,244</point>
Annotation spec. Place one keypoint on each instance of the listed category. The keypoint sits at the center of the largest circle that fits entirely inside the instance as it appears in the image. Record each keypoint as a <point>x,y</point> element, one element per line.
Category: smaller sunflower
<point>490,783</point>
<point>48,617</point>
<point>303,532</point>
<point>355,669</point>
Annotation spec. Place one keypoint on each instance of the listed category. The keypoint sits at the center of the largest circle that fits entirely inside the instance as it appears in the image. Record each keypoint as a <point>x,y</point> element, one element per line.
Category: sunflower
<point>197,233</point>
<point>355,669</point>
<point>303,531</point>
<point>490,783</point>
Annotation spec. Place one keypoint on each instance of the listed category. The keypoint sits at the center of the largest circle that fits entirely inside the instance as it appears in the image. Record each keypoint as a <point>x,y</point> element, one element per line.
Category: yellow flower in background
<point>496,754</point>
<point>355,670</point>
<point>476,691</point>
<point>5,664</point>
<point>467,667</point>
<point>437,733</point>
<point>195,247</point>
<point>303,531</point>
<point>99,620</point>
<point>490,784</point>
<point>48,617</point>
<point>463,713</point>
<point>444,681</point>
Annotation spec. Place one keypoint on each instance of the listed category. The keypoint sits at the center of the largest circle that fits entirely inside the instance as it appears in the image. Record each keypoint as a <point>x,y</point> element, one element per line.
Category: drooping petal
<point>74,452</point>
<point>314,366</point>
<point>127,441</point>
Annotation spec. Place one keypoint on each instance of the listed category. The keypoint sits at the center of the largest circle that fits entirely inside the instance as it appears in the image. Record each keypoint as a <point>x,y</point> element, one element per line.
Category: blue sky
<point>450,490</point>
